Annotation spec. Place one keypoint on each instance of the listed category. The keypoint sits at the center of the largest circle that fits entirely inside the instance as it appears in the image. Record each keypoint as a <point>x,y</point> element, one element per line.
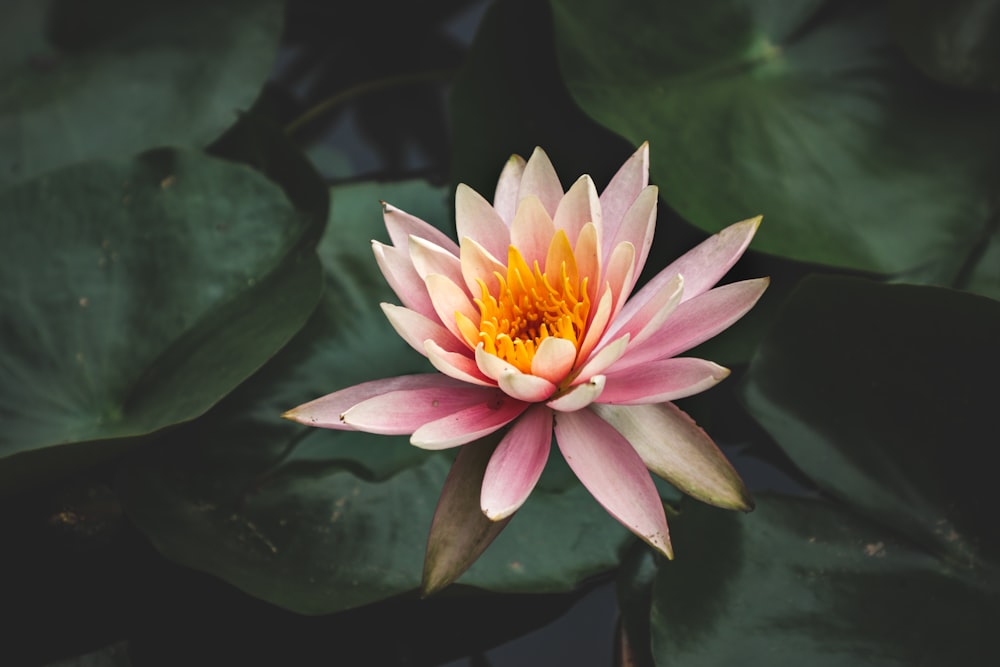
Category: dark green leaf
<point>800,112</point>
<point>885,395</point>
<point>319,521</point>
<point>801,582</point>
<point>255,140</point>
<point>954,42</point>
<point>134,295</point>
<point>113,77</point>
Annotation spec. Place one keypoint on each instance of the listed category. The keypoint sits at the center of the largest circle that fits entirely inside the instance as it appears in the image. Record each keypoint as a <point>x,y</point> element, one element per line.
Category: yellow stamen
<point>530,305</point>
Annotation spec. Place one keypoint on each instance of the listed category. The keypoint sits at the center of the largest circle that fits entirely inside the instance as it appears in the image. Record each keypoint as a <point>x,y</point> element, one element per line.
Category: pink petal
<point>663,380</point>
<point>580,396</point>
<point>623,189</point>
<point>643,317</point>
<point>696,321</point>
<point>525,387</point>
<point>614,474</point>
<point>397,267</point>
<point>676,449</point>
<point>532,231</point>
<point>478,264</point>
<point>705,264</point>
<point>415,328</point>
<point>404,412</point>
<point>457,365</point>
<point>637,228</point>
<point>599,318</point>
<point>326,411</point>
<point>448,298</point>
<point>468,424</point>
<point>505,200</point>
<point>540,180</point>
<point>517,464</point>
<point>604,359</point>
<point>401,225</point>
<point>619,274</point>
<point>476,219</point>
<point>553,359</point>
<point>579,206</point>
<point>429,259</point>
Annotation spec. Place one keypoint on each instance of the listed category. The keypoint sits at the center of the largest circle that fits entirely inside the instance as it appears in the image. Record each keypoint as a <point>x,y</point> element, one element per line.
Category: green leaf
<point>256,141</point>
<point>319,521</point>
<point>114,77</point>
<point>801,582</point>
<point>885,395</point>
<point>134,295</point>
<point>801,111</point>
<point>954,42</point>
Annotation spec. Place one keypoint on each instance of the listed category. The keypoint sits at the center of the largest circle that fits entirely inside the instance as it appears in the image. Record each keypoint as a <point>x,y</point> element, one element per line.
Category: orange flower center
<point>530,305</point>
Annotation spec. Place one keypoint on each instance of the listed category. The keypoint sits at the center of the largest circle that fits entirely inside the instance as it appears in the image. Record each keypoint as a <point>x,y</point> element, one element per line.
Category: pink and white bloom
<point>529,321</point>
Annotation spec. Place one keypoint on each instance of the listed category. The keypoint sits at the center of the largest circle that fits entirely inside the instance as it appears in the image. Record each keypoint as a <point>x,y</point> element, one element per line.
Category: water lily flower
<point>529,321</point>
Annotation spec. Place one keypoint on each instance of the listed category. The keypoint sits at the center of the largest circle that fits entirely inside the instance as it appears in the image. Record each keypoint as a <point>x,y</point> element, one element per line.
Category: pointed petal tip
<point>643,150</point>
<point>296,416</point>
<point>432,584</point>
<point>498,514</point>
<point>739,499</point>
<point>747,227</point>
<point>538,151</point>
<point>661,543</point>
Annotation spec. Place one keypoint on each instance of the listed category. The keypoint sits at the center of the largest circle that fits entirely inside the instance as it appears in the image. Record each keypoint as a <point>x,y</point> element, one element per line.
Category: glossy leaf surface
<point>801,111</point>
<point>153,287</point>
<point>114,77</point>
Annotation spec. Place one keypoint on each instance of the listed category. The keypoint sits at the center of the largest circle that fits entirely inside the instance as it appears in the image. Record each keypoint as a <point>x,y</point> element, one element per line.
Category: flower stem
<point>325,106</point>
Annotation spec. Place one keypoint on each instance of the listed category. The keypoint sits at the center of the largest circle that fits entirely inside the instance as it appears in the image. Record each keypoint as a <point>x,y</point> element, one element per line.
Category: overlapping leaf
<point>884,395</point>
<point>109,78</point>
<point>801,111</point>
<point>801,582</point>
<point>134,295</point>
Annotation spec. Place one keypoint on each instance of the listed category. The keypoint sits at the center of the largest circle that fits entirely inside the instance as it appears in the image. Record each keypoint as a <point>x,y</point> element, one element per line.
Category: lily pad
<point>134,295</point>
<point>885,395</point>
<point>802,111</point>
<point>319,521</point>
<point>114,77</point>
<point>802,582</point>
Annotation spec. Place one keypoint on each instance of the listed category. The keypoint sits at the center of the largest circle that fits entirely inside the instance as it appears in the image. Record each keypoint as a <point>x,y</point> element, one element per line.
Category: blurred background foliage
<point>187,195</point>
